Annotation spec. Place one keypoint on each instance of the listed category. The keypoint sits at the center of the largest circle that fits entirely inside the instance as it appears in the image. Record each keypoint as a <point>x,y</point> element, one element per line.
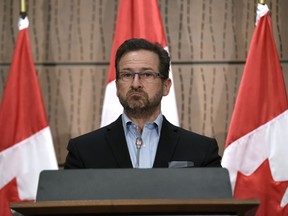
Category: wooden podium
<point>137,207</point>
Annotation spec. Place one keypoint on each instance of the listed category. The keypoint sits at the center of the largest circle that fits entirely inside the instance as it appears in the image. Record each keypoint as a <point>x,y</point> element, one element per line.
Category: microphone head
<point>139,142</point>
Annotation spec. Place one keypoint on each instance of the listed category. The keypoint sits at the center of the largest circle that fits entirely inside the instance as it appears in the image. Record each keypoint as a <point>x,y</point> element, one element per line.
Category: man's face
<point>139,96</point>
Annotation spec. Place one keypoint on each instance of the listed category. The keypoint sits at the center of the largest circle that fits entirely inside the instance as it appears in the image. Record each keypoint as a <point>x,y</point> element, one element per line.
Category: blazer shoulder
<point>117,124</point>
<point>184,132</point>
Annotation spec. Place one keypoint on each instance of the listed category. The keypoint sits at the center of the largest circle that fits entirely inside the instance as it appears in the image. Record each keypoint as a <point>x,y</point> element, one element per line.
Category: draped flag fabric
<point>136,19</point>
<point>256,150</point>
<point>26,146</point>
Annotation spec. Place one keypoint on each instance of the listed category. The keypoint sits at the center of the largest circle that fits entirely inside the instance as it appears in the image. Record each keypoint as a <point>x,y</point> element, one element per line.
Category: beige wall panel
<point>73,98</point>
<point>62,30</point>
<point>219,30</point>
<point>73,30</point>
<point>206,96</point>
<point>204,30</point>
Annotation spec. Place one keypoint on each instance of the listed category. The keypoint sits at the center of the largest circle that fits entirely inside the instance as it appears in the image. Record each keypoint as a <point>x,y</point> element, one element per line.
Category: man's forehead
<point>142,58</point>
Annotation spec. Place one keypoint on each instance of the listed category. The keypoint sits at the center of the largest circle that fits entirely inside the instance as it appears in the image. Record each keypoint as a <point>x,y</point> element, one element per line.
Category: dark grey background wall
<point>71,43</point>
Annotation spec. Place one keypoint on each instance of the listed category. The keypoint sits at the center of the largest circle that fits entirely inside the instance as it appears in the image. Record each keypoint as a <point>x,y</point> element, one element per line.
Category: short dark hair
<point>136,44</point>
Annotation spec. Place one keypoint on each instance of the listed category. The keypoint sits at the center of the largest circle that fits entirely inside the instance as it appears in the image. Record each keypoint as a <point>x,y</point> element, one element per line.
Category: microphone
<point>139,143</point>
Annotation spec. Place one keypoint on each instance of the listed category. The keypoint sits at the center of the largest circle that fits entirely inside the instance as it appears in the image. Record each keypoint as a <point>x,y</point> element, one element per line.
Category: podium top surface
<point>128,207</point>
<point>115,184</point>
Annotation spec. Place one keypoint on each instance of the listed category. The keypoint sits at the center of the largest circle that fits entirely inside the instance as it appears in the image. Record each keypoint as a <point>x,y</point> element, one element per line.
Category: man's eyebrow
<point>141,69</point>
<point>148,68</point>
<point>126,69</point>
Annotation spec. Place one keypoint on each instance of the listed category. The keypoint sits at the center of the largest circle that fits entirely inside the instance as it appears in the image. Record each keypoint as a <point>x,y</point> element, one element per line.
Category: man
<point>141,137</point>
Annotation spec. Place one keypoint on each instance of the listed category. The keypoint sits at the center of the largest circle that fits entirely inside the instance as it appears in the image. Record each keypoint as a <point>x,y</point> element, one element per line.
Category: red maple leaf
<point>260,185</point>
<point>9,193</point>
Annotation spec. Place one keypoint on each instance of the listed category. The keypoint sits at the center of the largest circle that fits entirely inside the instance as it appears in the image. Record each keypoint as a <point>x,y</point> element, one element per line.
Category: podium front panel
<point>115,184</point>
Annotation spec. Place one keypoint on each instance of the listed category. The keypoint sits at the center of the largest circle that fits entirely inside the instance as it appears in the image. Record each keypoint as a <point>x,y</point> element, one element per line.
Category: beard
<point>137,103</point>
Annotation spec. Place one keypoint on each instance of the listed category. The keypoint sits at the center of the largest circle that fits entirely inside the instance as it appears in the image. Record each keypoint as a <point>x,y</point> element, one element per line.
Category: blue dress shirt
<point>150,137</point>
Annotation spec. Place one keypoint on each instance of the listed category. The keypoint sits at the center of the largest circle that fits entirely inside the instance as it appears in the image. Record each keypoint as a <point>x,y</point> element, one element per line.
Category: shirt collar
<point>127,123</point>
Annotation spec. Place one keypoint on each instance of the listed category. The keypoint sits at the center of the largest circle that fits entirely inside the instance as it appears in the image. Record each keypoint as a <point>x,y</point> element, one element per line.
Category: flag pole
<point>262,2</point>
<point>23,9</point>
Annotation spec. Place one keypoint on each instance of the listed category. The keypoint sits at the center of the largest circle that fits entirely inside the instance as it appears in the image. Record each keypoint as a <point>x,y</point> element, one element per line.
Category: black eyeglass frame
<point>143,75</point>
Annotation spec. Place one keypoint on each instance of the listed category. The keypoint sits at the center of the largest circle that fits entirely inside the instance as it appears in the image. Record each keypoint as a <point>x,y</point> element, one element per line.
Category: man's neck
<point>141,120</point>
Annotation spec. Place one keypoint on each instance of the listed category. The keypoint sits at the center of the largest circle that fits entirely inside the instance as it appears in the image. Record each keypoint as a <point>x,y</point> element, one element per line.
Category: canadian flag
<point>26,146</point>
<point>256,150</point>
<point>136,19</point>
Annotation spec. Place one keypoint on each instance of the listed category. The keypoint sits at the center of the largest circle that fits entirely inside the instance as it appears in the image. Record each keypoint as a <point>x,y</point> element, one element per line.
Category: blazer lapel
<point>167,144</point>
<point>117,141</point>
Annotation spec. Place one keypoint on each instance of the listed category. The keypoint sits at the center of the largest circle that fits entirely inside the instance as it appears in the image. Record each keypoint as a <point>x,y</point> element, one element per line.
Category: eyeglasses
<point>145,76</point>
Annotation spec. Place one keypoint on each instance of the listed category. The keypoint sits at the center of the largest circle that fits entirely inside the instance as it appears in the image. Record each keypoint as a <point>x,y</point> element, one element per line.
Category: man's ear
<point>116,84</point>
<point>166,86</point>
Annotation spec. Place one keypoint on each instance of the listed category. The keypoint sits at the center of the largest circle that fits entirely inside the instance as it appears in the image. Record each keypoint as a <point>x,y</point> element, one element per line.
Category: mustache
<point>135,91</point>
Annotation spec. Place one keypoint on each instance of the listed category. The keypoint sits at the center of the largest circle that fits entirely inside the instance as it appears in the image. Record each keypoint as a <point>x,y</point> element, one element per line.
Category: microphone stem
<point>139,143</point>
<point>137,158</point>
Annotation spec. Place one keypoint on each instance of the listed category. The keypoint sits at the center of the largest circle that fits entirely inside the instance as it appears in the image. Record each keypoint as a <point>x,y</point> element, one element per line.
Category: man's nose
<point>136,82</point>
